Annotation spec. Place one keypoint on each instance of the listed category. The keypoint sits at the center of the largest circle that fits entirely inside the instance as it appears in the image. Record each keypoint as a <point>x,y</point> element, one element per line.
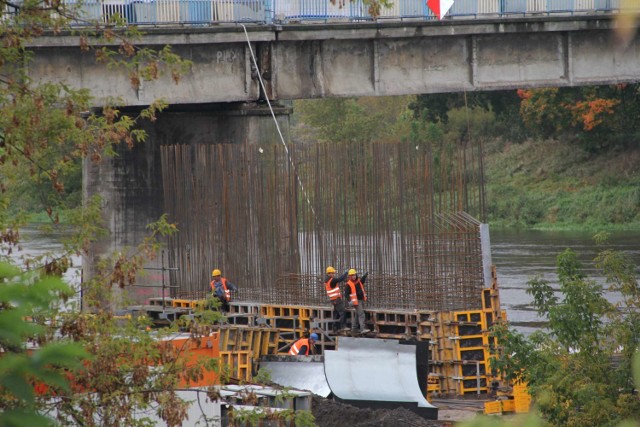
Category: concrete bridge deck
<point>359,59</point>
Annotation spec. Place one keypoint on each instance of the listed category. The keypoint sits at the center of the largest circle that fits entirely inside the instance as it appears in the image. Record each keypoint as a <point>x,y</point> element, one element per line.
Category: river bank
<point>554,185</point>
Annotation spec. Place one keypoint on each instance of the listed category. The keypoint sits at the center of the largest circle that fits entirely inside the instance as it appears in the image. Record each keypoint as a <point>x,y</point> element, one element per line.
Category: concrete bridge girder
<point>312,61</point>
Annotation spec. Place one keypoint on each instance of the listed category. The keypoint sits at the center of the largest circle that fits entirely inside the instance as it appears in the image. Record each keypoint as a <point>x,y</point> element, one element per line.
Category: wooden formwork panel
<point>244,308</point>
<point>265,342</point>
<point>181,303</point>
<point>458,339</point>
<point>260,341</point>
<point>302,313</point>
<point>238,363</point>
<point>158,301</point>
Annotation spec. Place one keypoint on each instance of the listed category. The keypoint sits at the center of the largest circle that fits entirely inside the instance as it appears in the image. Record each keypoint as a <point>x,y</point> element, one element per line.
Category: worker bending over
<point>221,289</point>
<point>332,286</point>
<point>304,346</point>
<point>357,298</point>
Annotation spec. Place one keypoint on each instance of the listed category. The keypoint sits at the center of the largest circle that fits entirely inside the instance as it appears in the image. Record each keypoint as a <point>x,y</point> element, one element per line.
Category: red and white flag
<point>440,7</point>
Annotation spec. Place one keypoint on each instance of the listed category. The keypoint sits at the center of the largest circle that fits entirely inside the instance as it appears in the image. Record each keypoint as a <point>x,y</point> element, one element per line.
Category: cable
<point>286,149</point>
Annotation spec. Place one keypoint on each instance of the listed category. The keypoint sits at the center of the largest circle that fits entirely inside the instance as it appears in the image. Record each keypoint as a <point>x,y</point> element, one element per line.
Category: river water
<point>517,255</point>
<point>521,255</point>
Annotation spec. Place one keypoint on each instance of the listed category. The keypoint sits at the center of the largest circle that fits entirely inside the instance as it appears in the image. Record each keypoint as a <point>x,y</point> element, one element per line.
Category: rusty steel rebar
<point>404,212</point>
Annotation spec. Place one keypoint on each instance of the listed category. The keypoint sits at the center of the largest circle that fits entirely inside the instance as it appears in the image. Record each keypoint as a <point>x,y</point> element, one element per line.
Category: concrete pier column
<point>130,185</point>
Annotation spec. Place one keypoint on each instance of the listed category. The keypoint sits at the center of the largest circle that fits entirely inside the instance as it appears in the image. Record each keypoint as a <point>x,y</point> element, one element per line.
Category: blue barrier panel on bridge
<point>464,8</point>
<point>513,6</point>
<point>414,9</point>
<point>250,10</point>
<point>300,10</point>
<point>91,10</point>
<point>359,10</point>
<point>200,11</point>
<point>204,12</point>
<point>560,5</point>
<point>607,5</point>
<point>145,11</point>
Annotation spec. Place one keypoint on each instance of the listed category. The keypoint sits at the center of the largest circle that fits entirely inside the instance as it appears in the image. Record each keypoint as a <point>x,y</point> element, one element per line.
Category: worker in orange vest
<point>221,289</point>
<point>304,346</point>
<point>357,298</point>
<point>332,286</point>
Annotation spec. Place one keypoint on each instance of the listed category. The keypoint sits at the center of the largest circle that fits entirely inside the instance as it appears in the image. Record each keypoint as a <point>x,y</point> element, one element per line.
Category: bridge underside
<point>342,60</point>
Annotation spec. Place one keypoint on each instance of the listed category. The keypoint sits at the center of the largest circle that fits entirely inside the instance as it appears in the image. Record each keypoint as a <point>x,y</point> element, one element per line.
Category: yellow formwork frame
<point>443,330</point>
<point>239,363</point>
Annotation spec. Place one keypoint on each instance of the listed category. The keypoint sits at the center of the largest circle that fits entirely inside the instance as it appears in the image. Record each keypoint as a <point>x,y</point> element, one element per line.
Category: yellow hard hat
<point>330,270</point>
<point>216,272</point>
<point>352,272</point>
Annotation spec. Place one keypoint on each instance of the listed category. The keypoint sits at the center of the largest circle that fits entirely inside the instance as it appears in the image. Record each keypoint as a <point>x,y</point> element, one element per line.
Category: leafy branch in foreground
<point>59,363</point>
<point>24,362</point>
<point>579,369</point>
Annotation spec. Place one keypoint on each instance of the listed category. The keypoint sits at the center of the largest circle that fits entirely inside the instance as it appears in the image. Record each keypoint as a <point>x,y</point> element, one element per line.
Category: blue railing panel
<point>560,6</point>
<point>513,6</point>
<point>206,12</point>
<point>464,8</point>
<point>607,5</point>
<point>145,11</point>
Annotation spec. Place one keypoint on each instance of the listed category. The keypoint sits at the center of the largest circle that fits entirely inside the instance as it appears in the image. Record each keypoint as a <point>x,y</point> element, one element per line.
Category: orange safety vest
<point>227,291</point>
<point>295,348</point>
<point>333,293</point>
<point>353,296</point>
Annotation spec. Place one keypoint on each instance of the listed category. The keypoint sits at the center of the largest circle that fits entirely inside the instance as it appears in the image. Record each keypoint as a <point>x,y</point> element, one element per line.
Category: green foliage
<point>25,362</point>
<point>263,377</point>
<point>352,120</point>
<point>46,129</point>
<point>554,184</point>
<point>529,420</point>
<point>579,368</point>
<point>89,368</point>
<point>598,118</point>
<point>304,419</point>
<point>252,417</point>
<point>502,105</point>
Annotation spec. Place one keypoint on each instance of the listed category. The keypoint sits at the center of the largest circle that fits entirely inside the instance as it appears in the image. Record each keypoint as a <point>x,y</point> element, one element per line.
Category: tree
<point>598,117</point>
<point>502,105</point>
<point>60,363</point>
<point>366,119</point>
<point>23,296</point>
<point>579,368</point>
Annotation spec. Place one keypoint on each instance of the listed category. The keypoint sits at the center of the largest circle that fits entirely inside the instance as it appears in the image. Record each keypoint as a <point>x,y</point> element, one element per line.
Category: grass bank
<point>556,185</point>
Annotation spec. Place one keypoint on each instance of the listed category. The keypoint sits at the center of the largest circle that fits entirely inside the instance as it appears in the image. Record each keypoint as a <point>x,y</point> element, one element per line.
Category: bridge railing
<point>206,12</point>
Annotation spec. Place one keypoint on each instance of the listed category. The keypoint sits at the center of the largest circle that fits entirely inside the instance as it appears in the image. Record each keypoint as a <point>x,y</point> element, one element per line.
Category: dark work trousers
<point>224,304</point>
<point>339,313</point>
<point>360,314</point>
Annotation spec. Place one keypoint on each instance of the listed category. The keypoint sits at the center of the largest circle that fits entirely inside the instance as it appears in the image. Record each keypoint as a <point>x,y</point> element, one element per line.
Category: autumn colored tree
<point>598,117</point>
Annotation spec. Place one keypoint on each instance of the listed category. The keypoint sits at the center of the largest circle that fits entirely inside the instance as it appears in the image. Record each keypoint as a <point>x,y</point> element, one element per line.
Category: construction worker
<point>304,346</point>
<point>331,284</point>
<point>357,298</point>
<point>221,289</point>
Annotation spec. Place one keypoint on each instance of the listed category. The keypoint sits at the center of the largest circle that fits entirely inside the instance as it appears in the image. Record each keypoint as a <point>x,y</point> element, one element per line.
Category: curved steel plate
<point>299,375</point>
<point>374,370</point>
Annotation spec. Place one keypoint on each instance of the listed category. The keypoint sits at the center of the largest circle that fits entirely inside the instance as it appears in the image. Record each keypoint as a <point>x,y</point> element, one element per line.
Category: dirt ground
<point>329,413</point>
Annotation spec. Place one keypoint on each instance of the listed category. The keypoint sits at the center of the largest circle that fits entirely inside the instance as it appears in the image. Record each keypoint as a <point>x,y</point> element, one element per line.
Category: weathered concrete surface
<point>131,187</point>
<point>390,58</point>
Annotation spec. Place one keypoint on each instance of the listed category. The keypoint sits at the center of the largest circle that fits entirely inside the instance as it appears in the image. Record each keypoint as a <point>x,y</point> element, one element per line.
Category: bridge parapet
<point>208,12</point>
<point>358,59</point>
